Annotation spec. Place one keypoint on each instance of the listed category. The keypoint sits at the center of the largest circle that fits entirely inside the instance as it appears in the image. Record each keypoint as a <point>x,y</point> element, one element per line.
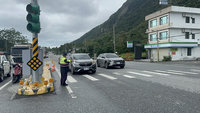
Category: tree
<point>10,37</point>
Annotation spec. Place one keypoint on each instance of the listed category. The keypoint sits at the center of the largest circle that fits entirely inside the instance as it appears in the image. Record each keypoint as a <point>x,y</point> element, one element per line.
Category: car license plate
<point>118,62</point>
<point>85,69</point>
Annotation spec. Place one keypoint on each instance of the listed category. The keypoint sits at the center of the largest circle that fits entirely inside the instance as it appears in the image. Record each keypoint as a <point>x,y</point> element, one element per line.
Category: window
<point>153,23</point>
<point>163,35</point>
<point>187,35</point>
<point>187,19</point>
<point>189,51</point>
<point>193,20</point>
<point>163,20</point>
<point>193,36</point>
<point>153,37</point>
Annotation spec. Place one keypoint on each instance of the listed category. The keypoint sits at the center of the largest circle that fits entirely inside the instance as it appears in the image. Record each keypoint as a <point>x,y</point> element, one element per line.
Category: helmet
<point>64,54</point>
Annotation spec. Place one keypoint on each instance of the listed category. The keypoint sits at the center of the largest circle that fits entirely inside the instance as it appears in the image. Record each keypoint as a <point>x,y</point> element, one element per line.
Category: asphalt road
<point>141,87</point>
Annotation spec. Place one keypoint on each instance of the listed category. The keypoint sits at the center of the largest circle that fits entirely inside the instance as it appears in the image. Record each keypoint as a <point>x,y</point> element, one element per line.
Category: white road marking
<point>107,76</point>
<point>183,72</point>
<point>169,72</point>
<point>69,78</point>
<point>195,70</point>
<point>128,76</point>
<point>71,92</point>
<point>5,85</point>
<point>156,73</point>
<point>90,77</point>
<point>116,73</point>
<point>146,75</point>
<point>67,87</point>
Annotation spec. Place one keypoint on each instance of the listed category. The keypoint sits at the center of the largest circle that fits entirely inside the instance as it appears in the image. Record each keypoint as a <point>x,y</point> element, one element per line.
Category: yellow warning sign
<point>34,63</point>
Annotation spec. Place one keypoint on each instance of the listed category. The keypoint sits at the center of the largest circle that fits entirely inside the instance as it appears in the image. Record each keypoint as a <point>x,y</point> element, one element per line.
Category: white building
<point>174,31</point>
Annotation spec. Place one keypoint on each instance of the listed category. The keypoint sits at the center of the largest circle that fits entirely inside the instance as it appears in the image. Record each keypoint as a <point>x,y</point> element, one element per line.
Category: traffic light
<point>33,18</point>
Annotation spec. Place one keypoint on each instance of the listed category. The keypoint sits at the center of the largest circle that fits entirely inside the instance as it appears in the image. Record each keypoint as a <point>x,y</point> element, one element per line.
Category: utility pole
<point>114,44</point>
<point>158,47</point>
<point>35,74</point>
<point>33,26</point>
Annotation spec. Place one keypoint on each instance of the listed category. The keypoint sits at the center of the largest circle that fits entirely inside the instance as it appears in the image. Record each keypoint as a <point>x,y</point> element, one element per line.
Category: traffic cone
<point>53,68</point>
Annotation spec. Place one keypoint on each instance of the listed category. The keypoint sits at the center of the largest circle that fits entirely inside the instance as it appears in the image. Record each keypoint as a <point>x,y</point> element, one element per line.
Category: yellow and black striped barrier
<point>35,47</point>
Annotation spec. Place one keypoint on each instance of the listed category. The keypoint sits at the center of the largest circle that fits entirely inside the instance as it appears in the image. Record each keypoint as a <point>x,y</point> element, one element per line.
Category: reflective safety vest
<point>62,62</point>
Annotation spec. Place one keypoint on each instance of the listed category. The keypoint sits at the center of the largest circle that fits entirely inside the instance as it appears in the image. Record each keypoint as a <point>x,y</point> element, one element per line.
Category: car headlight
<point>76,63</point>
<point>93,62</point>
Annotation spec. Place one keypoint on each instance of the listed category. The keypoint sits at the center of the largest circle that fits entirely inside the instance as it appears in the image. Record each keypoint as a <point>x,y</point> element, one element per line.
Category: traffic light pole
<point>35,51</point>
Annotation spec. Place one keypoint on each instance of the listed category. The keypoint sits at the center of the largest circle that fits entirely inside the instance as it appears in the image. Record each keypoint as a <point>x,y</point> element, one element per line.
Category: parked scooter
<point>17,75</point>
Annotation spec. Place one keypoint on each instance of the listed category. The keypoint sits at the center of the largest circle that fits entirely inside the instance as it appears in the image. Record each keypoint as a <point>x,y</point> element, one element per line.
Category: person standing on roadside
<point>64,68</point>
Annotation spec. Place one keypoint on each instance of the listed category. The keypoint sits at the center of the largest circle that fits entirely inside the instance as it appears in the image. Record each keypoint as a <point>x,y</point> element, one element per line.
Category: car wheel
<point>1,76</point>
<point>94,71</point>
<point>72,71</point>
<point>106,66</point>
<point>98,65</point>
<point>8,75</point>
<point>122,67</point>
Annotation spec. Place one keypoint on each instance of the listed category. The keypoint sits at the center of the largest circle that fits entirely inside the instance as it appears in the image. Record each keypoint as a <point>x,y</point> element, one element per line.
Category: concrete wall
<point>181,54</point>
<point>162,52</point>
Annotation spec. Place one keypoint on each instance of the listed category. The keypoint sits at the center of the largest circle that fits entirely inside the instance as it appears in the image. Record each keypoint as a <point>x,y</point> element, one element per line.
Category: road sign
<point>34,63</point>
<point>129,44</point>
<point>163,2</point>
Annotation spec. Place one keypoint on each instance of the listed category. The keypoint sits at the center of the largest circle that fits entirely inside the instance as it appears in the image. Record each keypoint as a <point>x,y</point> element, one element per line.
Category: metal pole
<point>114,38</point>
<point>157,47</point>
<point>35,74</point>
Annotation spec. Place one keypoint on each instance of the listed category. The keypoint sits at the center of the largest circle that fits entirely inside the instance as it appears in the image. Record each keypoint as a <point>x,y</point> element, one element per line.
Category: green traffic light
<point>33,27</point>
<point>33,18</point>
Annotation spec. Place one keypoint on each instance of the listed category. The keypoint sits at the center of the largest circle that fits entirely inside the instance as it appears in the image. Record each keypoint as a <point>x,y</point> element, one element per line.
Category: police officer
<point>64,68</point>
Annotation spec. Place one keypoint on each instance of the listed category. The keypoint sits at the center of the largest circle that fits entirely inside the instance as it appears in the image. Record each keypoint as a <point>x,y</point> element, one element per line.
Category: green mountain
<point>130,25</point>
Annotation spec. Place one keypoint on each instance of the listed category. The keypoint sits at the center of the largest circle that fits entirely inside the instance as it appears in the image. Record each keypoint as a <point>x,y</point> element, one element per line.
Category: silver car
<point>110,60</point>
<point>81,62</point>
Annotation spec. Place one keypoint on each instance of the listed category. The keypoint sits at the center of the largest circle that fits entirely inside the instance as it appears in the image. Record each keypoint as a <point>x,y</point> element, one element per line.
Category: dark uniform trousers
<point>64,71</point>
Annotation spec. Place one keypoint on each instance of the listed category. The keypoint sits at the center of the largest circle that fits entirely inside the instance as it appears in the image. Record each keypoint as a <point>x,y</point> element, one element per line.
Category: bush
<point>127,56</point>
<point>167,58</point>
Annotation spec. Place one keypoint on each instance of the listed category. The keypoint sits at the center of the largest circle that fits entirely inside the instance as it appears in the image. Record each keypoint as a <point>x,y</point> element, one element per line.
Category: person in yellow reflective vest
<point>64,69</point>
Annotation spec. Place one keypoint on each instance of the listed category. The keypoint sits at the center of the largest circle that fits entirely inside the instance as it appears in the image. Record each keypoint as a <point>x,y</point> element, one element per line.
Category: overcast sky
<point>62,21</point>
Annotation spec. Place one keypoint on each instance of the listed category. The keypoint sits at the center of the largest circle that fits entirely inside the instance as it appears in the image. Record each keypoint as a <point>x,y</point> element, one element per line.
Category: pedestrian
<point>64,68</point>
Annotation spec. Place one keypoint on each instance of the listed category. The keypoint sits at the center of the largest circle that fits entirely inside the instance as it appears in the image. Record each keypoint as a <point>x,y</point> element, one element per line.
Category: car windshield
<point>17,60</point>
<point>111,56</point>
<point>81,57</point>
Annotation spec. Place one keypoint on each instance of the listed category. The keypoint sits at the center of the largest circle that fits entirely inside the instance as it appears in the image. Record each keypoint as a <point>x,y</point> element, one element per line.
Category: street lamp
<point>114,44</point>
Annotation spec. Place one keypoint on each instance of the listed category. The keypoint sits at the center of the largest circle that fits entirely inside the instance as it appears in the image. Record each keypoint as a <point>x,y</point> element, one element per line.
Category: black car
<point>81,62</point>
<point>110,60</point>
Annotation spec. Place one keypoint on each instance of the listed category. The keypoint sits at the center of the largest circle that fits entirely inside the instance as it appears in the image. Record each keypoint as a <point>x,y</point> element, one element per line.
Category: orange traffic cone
<point>53,68</point>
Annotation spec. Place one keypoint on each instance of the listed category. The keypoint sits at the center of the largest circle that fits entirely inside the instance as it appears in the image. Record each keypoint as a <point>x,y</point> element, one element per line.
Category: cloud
<point>62,21</point>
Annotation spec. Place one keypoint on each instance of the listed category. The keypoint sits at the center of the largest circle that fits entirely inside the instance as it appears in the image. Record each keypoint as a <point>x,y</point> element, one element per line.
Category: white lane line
<point>107,76</point>
<point>116,73</point>
<point>69,78</point>
<point>128,76</point>
<point>146,75</point>
<point>169,72</point>
<point>90,77</point>
<point>183,72</point>
<point>156,73</point>
<point>5,85</point>
<point>67,87</point>
<point>71,92</point>
<point>195,70</point>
